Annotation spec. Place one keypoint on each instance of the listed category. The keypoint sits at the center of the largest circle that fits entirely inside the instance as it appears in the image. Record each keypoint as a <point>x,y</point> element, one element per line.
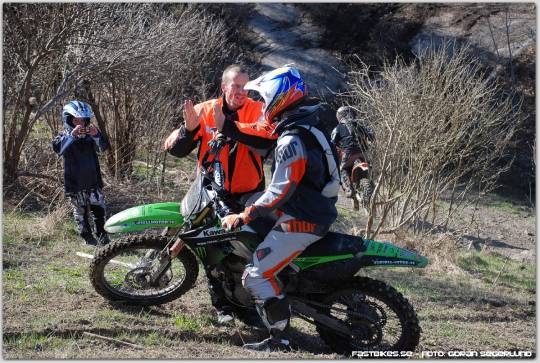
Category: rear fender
<point>389,255</point>
<point>139,218</point>
<point>360,170</point>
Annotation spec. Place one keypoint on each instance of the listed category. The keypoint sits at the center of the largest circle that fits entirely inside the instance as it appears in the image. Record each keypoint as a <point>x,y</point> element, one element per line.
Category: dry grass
<point>48,302</point>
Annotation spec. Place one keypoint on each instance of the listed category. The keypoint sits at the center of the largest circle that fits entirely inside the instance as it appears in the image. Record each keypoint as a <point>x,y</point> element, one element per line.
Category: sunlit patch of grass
<point>111,315</point>
<point>501,204</point>
<point>191,323</point>
<point>71,279</point>
<point>32,342</point>
<point>494,268</point>
<point>67,271</point>
<point>140,170</point>
<point>13,280</point>
<point>152,339</point>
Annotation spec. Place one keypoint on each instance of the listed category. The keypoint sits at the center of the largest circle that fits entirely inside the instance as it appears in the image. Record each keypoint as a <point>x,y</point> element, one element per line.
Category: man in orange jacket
<point>243,166</point>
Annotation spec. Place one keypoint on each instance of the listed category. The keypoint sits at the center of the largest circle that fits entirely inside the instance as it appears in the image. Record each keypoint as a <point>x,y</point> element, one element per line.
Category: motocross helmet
<point>345,114</point>
<point>280,89</point>
<point>77,109</point>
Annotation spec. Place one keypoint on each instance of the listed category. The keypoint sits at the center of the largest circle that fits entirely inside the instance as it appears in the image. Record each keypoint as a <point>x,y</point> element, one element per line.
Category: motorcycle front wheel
<point>120,272</point>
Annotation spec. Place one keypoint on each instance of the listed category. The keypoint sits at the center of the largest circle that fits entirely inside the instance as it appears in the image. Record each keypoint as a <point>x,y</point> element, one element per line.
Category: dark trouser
<point>84,203</point>
<point>217,294</point>
<point>215,288</point>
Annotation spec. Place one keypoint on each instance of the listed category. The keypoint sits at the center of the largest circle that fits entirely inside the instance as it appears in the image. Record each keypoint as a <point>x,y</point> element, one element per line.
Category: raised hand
<point>92,130</point>
<point>191,117</point>
<point>219,117</point>
<point>77,131</point>
<point>232,221</point>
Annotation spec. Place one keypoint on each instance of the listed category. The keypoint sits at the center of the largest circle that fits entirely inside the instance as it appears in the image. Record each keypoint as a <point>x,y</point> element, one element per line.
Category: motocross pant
<point>287,239</point>
<point>84,203</point>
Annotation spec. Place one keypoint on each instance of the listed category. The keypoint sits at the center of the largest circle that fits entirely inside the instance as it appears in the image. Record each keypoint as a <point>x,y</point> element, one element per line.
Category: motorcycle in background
<point>362,183</point>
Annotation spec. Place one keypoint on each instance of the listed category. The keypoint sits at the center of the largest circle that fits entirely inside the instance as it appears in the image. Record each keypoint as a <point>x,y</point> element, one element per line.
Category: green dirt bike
<point>350,313</point>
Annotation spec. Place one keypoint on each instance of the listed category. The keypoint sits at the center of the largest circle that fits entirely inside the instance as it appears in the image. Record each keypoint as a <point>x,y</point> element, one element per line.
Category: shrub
<point>442,130</point>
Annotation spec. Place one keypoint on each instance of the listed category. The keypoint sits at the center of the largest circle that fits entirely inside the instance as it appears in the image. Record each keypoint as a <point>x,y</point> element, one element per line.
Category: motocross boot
<point>99,221</point>
<point>272,344</point>
<point>104,239</point>
<point>276,315</point>
<point>89,238</point>
<point>86,232</point>
<point>224,315</point>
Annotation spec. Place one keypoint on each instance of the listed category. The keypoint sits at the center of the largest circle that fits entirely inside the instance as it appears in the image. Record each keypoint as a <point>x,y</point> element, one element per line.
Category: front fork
<point>176,248</point>
<point>162,261</point>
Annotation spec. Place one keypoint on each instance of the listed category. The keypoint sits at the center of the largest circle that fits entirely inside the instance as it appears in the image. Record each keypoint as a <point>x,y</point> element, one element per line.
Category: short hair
<point>237,68</point>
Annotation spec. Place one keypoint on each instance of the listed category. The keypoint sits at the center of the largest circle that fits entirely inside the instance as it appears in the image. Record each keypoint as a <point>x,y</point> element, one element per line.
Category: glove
<point>232,221</point>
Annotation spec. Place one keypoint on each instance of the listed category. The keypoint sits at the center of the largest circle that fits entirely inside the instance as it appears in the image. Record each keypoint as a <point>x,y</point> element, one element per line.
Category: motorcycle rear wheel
<point>379,316</point>
<point>365,188</point>
<point>118,272</point>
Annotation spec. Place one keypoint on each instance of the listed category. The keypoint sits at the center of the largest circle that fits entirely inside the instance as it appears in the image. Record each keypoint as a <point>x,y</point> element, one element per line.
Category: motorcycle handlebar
<point>208,170</point>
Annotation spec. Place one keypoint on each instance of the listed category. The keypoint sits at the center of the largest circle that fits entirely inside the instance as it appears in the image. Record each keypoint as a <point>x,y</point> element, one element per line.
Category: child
<point>82,175</point>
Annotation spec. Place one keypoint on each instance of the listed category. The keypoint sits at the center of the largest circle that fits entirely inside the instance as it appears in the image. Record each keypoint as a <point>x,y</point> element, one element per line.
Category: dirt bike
<point>350,313</point>
<point>362,184</point>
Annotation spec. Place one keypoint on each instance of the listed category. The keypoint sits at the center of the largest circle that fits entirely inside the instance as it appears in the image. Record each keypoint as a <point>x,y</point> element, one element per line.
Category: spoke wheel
<point>379,318</point>
<point>122,272</point>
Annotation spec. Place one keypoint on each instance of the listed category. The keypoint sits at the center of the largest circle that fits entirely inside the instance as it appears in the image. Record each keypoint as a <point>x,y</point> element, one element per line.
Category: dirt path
<point>285,37</point>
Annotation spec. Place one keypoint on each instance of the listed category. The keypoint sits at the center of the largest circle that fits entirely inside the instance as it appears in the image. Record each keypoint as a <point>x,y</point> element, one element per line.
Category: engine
<point>230,273</point>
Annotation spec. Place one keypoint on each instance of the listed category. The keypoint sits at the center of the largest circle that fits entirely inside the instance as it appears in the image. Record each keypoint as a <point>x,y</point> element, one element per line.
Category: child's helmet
<point>280,89</point>
<point>77,109</point>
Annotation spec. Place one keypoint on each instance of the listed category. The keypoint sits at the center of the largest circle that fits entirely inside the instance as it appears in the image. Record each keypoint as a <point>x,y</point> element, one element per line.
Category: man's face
<point>233,89</point>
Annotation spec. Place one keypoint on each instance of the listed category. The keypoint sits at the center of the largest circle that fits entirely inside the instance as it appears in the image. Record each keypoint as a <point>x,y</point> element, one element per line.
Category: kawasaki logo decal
<point>214,232</point>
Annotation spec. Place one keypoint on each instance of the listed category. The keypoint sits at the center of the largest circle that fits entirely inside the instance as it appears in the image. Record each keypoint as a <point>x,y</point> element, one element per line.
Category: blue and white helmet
<point>77,109</point>
<point>280,89</point>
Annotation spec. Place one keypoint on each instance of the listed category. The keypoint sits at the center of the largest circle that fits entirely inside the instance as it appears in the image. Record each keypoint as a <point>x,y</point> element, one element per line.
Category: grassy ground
<point>483,301</point>
<point>466,299</point>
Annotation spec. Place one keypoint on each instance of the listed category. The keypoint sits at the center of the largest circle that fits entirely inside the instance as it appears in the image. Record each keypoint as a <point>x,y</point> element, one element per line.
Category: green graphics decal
<point>396,255</point>
<point>158,215</point>
<point>201,251</point>
<point>305,262</point>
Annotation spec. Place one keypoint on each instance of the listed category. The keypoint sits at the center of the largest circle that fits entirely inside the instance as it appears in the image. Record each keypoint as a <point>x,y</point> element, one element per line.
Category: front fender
<point>139,218</point>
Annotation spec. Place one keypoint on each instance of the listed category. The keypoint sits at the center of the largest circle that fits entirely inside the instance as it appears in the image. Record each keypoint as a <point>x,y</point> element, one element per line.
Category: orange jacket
<point>242,165</point>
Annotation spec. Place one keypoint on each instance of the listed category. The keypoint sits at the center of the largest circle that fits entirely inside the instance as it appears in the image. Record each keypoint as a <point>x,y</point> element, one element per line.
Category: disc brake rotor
<point>366,324</point>
<point>367,320</point>
<point>366,332</point>
<point>138,278</point>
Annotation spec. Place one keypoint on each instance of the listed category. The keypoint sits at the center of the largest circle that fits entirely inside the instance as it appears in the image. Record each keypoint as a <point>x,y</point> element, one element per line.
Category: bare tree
<point>155,58</point>
<point>442,132</point>
<point>134,63</point>
<point>36,74</point>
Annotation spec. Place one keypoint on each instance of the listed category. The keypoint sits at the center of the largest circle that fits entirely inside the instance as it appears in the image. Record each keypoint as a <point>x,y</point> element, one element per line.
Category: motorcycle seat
<point>334,243</point>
